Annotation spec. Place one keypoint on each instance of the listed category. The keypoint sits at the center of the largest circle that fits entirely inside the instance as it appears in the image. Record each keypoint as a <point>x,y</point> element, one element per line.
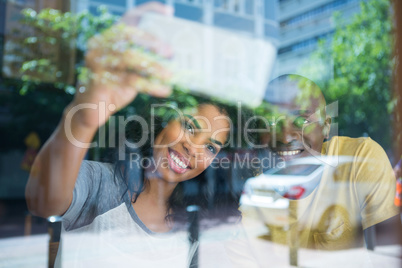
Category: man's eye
<point>300,121</point>
<point>211,148</point>
<point>189,127</point>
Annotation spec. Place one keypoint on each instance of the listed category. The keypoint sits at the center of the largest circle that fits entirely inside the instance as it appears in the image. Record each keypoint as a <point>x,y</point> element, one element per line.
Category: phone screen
<point>213,61</point>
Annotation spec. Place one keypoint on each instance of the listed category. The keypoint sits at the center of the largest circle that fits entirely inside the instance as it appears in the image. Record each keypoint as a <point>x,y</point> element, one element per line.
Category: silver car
<point>268,194</point>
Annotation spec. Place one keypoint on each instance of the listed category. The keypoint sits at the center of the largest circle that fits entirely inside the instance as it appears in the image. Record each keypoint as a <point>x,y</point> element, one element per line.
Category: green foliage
<point>48,51</point>
<point>51,45</point>
<point>361,75</point>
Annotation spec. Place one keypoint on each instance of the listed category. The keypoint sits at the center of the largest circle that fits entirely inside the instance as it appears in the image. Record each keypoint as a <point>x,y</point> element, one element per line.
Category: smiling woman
<point>183,147</point>
<point>142,199</point>
<point>118,215</point>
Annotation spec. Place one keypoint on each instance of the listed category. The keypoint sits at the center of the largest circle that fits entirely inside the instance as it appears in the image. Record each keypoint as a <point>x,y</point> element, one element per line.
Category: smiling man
<point>299,124</point>
<point>351,196</point>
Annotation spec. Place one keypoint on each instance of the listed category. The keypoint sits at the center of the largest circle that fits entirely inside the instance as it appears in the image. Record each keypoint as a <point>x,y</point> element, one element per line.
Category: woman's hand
<point>121,62</point>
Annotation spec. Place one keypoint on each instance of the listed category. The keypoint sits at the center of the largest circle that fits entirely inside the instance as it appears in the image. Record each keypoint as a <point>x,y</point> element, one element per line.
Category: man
<point>353,195</point>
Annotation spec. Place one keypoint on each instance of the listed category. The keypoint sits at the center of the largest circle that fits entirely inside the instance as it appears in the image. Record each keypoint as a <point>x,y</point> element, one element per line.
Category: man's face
<point>299,126</point>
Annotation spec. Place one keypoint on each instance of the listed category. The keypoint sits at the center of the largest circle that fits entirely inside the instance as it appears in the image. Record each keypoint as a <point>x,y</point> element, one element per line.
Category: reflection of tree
<point>39,56</point>
<point>361,57</point>
<point>45,53</point>
<point>48,46</point>
<point>36,102</point>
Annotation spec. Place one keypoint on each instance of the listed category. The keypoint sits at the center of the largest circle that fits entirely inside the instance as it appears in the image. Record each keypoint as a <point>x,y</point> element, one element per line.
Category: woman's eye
<point>188,127</point>
<point>211,148</point>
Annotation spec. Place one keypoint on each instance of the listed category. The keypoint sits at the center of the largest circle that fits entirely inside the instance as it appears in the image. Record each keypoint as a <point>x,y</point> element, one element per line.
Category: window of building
<point>230,5</point>
<point>312,14</point>
<point>305,44</point>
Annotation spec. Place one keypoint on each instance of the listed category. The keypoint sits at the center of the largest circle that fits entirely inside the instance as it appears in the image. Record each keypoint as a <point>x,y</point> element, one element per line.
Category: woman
<point>105,224</point>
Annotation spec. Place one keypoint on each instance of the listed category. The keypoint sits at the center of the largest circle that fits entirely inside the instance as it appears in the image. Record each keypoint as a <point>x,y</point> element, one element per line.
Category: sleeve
<point>83,195</point>
<point>375,184</point>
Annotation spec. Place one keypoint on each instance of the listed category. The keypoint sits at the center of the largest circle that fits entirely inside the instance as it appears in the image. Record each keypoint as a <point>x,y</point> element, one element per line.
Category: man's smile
<point>281,152</point>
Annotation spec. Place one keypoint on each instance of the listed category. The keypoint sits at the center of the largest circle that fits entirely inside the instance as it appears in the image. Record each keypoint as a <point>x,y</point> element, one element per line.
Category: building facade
<point>302,23</point>
<point>294,26</point>
<point>250,17</point>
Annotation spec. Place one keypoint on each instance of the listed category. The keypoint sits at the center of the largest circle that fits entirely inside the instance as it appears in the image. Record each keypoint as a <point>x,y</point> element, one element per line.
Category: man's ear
<point>327,126</point>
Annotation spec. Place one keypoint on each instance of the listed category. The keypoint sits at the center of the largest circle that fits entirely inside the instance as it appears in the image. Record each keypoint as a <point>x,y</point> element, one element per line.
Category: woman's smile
<point>177,162</point>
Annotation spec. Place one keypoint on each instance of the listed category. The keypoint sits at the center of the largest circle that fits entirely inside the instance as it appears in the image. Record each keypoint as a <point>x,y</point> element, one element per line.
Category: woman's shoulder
<point>93,167</point>
<point>97,190</point>
<point>104,177</point>
<point>96,173</point>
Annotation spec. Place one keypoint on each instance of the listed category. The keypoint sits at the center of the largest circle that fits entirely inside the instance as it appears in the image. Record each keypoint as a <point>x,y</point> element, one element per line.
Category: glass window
<point>147,139</point>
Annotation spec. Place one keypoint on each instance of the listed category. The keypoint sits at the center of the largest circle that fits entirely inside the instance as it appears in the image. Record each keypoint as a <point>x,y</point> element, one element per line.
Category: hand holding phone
<point>121,62</point>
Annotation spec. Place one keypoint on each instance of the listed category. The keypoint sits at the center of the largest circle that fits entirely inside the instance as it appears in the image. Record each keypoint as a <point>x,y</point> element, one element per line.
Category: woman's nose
<point>191,147</point>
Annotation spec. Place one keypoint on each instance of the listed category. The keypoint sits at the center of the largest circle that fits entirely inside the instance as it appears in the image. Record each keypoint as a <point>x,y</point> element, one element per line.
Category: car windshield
<point>297,170</point>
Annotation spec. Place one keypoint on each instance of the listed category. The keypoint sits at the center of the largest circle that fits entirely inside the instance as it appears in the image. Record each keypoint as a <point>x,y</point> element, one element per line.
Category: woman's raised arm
<point>116,76</point>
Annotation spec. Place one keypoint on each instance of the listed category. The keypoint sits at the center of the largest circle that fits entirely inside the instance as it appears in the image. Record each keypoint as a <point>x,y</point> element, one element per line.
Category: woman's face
<point>188,145</point>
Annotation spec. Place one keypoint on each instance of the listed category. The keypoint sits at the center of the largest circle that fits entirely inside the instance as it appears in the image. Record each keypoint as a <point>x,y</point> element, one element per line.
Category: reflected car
<point>268,194</point>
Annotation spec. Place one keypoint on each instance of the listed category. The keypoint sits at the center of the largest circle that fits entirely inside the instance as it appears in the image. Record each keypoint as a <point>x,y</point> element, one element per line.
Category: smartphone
<point>213,61</point>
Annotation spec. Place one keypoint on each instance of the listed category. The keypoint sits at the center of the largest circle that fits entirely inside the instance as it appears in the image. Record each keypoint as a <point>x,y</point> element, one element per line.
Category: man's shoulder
<point>342,145</point>
<point>350,141</point>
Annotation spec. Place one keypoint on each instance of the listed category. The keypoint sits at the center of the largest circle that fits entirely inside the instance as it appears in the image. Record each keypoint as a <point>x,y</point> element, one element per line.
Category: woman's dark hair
<point>136,179</point>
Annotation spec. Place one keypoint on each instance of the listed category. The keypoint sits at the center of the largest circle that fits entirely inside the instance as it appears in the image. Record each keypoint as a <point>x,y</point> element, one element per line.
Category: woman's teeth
<point>285,153</point>
<point>177,161</point>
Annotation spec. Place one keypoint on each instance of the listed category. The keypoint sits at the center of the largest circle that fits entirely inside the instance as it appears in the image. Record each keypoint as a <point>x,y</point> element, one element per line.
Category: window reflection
<point>337,210</point>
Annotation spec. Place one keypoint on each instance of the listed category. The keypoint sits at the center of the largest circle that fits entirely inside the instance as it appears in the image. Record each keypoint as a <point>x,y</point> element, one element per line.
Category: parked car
<point>267,195</point>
